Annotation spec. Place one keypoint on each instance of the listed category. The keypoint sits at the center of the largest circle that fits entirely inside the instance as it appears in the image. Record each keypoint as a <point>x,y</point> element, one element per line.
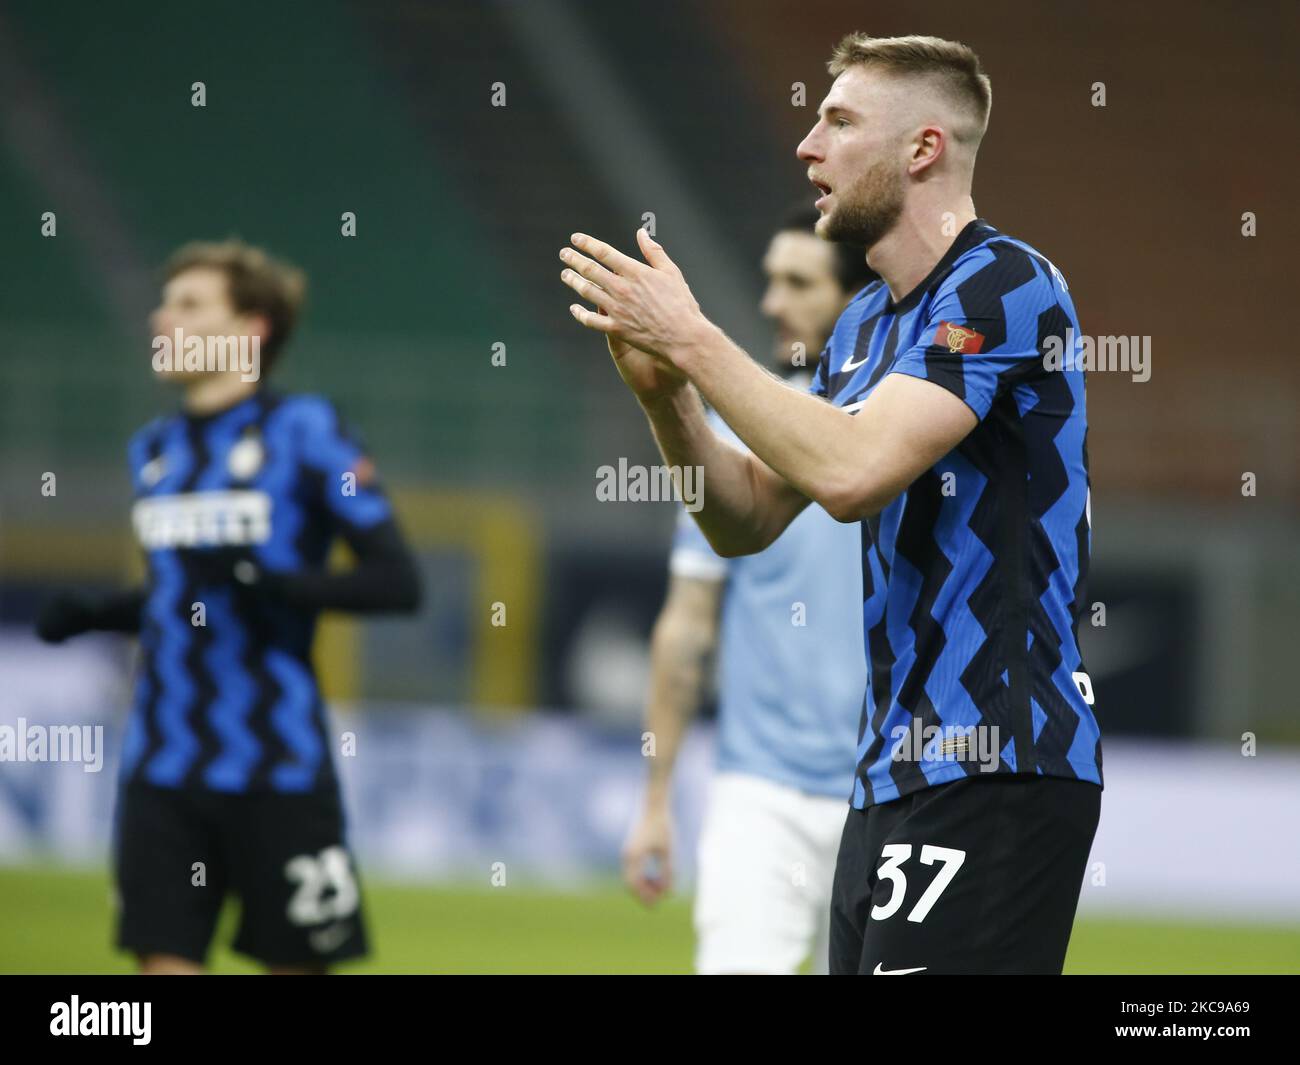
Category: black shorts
<point>283,855</point>
<point>981,875</point>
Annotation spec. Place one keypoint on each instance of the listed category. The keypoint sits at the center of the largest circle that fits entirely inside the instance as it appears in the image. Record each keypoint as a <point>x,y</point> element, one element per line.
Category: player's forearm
<point>73,613</point>
<point>122,611</point>
<point>680,651</point>
<point>373,588</point>
<point>385,578</point>
<point>817,448</point>
<point>737,511</point>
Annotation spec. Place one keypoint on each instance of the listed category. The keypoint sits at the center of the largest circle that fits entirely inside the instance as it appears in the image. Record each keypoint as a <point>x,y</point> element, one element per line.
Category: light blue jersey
<point>791,674</point>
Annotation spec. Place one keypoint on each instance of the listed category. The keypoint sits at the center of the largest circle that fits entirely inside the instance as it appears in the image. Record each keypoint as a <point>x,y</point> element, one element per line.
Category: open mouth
<point>823,188</point>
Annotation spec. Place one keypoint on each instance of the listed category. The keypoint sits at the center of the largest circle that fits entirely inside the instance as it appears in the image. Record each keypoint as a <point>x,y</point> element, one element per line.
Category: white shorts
<point>766,863</point>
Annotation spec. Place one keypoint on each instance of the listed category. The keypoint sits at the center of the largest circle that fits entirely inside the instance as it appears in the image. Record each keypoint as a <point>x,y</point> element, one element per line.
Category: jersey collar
<point>971,234</point>
<point>247,403</point>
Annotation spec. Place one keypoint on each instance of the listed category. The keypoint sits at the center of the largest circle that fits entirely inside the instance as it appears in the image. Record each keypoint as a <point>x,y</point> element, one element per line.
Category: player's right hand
<point>63,615</point>
<point>648,856</point>
<point>648,376</point>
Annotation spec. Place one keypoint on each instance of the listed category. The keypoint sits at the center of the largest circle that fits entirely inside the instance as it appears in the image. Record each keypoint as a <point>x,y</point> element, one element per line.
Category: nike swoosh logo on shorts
<point>878,971</point>
<point>324,940</point>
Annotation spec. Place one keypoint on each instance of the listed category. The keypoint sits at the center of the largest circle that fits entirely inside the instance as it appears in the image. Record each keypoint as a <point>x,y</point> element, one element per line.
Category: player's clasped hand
<point>646,306</point>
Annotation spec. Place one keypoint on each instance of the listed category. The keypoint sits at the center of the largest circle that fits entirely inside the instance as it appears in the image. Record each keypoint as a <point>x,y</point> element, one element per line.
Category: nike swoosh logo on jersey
<point>851,365</point>
<point>878,971</point>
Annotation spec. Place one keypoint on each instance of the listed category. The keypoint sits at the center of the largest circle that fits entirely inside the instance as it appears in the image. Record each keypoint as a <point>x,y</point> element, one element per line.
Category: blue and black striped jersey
<point>974,576</point>
<point>226,697</point>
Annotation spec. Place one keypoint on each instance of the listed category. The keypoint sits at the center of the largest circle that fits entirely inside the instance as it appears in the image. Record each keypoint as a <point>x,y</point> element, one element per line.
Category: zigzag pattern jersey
<point>231,704</point>
<point>974,577</point>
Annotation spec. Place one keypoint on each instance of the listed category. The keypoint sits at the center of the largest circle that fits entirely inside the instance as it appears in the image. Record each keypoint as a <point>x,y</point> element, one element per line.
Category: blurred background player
<point>790,681</point>
<point>227,755</point>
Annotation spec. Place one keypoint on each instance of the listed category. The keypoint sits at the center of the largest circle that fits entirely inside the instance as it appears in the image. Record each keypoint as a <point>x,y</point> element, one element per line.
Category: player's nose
<point>809,150</point>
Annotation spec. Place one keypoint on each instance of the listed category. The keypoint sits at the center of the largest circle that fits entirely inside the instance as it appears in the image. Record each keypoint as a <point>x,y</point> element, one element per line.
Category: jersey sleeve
<point>348,484</point>
<point>982,334</point>
<point>821,374</point>
<point>691,555</point>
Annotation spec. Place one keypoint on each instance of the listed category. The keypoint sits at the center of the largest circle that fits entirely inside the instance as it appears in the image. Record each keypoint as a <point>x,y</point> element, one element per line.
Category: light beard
<point>868,210</point>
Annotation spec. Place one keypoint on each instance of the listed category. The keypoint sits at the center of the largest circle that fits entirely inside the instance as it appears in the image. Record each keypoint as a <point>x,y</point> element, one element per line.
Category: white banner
<point>1194,830</point>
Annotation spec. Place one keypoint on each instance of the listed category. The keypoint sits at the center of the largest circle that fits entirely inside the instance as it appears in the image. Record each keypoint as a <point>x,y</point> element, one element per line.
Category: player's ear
<point>927,147</point>
<point>259,325</point>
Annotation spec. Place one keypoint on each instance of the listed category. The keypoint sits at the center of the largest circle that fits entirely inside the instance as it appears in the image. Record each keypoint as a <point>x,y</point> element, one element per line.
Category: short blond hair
<point>954,67</point>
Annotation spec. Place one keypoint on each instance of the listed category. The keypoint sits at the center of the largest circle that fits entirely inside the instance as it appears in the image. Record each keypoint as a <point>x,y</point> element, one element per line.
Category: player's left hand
<point>648,855</point>
<point>645,304</point>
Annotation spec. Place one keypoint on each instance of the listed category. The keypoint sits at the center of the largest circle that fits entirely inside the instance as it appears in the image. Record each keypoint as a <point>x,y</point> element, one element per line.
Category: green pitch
<point>57,921</point>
